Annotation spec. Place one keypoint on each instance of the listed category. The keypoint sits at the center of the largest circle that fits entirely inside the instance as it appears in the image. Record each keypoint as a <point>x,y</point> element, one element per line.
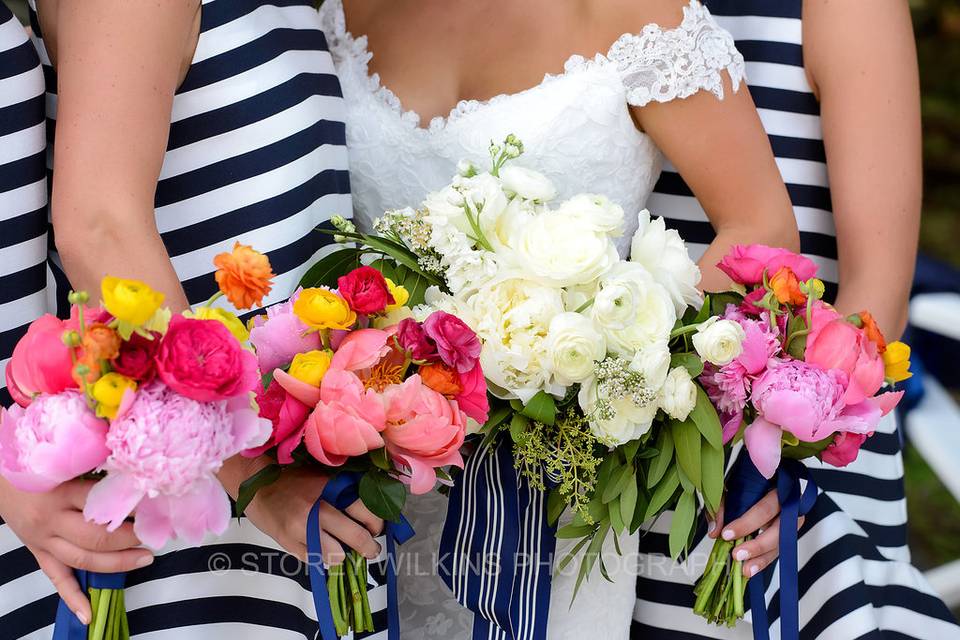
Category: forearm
<point>889,308</point>
<point>715,280</point>
<point>237,469</point>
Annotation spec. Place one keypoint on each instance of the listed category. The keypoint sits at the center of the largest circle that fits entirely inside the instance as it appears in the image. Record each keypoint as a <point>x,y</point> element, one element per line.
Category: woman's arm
<point>863,65</point>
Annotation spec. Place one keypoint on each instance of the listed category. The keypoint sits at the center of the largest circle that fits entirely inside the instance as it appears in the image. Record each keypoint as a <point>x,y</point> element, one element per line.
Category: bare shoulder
<point>630,16</point>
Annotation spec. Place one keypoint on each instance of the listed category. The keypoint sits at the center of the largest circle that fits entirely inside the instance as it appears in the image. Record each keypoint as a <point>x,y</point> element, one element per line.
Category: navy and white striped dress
<point>256,153</point>
<point>855,576</point>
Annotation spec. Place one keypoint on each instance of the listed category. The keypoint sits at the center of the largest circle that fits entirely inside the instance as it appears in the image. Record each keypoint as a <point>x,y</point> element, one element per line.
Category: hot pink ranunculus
<point>346,422</point>
<point>472,398</point>
<point>745,264</point>
<point>280,335</point>
<point>55,439</point>
<point>844,448</point>
<point>41,362</point>
<point>361,349</point>
<point>201,360</point>
<point>412,338</point>
<point>365,290</point>
<point>288,416</point>
<point>834,343</point>
<point>458,345</point>
<point>137,357</point>
<point>424,431</point>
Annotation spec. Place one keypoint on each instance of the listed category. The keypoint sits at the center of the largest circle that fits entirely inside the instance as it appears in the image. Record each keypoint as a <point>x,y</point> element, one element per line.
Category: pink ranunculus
<point>361,349</point>
<point>749,304</point>
<point>280,335</point>
<point>53,440</point>
<point>41,362</point>
<point>288,416</point>
<point>424,431</point>
<point>835,343</point>
<point>137,357</point>
<point>165,449</point>
<point>458,345</point>
<point>745,264</point>
<point>472,398</point>
<point>365,290</point>
<point>347,422</point>
<point>844,448</point>
<point>412,338</point>
<point>201,360</point>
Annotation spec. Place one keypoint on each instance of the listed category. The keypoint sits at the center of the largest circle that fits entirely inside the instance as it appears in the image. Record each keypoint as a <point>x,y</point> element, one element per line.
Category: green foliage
<point>249,487</point>
<point>383,495</point>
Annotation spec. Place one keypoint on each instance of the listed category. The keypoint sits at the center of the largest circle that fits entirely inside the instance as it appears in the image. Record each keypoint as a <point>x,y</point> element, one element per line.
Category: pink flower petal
<point>112,500</point>
<point>763,442</point>
<point>361,350</point>
<point>305,393</point>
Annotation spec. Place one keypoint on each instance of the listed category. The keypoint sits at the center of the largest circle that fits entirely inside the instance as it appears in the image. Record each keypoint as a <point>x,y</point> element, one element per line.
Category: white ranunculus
<point>573,345</point>
<point>503,231</point>
<point>483,195</point>
<point>527,183</point>
<point>718,341</point>
<point>629,421</point>
<point>653,361</point>
<point>446,207</point>
<point>560,250</point>
<point>663,253</point>
<point>596,210</point>
<point>678,396</point>
<point>651,312</point>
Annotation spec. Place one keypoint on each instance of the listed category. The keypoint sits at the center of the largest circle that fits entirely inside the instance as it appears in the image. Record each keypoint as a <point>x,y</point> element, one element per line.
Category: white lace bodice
<point>575,125</point>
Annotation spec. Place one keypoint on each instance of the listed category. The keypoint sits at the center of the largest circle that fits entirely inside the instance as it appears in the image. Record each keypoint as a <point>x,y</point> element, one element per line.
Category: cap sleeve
<point>659,65</point>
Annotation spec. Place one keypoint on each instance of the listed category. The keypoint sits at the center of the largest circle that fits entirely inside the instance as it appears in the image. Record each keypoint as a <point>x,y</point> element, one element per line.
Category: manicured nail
<point>82,617</point>
<point>711,525</point>
<point>728,534</point>
<point>144,561</point>
<point>741,555</point>
<point>753,570</point>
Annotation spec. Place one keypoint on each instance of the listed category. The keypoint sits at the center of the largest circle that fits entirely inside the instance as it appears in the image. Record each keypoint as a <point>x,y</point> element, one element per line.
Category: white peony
<point>527,183</point>
<point>653,361</point>
<point>663,253</point>
<point>561,250</point>
<point>573,345</point>
<point>678,396</point>
<point>628,421</point>
<point>502,231</point>
<point>632,310</point>
<point>596,210</point>
<point>718,341</point>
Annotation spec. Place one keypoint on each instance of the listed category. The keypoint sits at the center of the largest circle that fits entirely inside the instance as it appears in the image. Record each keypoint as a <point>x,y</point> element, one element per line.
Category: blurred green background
<point>934,514</point>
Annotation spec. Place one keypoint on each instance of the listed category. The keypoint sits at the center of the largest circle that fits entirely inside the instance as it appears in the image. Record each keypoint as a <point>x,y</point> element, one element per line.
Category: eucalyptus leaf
<point>618,481</point>
<point>518,427</point>
<point>719,301</point>
<point>556,504</point>
<point>704,416</point>
<point>711,463</point>
<point>249,487</point>
<point>662,462</point>
<point>616,517</point>
<point>590,557</point>
<point>567,559</point>
<point>686,439</point>
<point>663,492</point>
<point>682,524</point>
<point>628,499</point>
<point>572,531</point>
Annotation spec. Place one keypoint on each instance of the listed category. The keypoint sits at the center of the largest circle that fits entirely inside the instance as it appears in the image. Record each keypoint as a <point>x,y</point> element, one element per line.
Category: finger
<point>76,492</point>
<point>66,585</point>
<point>75,529</point>
<point>759,514</point>
<point>348,531</point>
<point>713,525</point>
<point>333,553</point>
<point>99,561</point>
<point>758,564</point>
<point>764,543</point>
<point>359,512</point>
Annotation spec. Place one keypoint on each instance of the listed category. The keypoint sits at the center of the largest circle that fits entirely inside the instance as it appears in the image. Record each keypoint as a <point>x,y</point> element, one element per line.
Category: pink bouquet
<point>354,384</point>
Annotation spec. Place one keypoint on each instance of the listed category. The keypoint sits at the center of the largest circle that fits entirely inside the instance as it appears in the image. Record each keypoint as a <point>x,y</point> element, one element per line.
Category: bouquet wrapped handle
<point>67,626</point>
<point>341,491</point>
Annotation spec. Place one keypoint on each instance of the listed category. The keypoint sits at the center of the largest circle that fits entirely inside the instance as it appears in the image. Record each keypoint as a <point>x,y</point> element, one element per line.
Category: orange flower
<point>786,287</point>
<point>872,331</point>
<point>441,378</point>
<point>100,342</point>
<point>243,276</point>
<point>86,370</point>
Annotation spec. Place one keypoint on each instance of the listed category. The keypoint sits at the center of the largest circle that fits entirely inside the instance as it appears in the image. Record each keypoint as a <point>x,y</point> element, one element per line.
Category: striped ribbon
<point>496,550</point>
<point>67,625</point>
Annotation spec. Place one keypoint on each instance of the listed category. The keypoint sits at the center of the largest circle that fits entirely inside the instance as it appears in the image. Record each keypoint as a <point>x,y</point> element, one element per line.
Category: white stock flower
<point>625,420</point>
<point>596,210</point>
<point>718,341</point>
<point>653,362</point>
<point>632,310</point>
<point>678,396</point>
<point>573,345</point>
<point>663,253</point>
<point>527,183</point>
<point>560,249</point>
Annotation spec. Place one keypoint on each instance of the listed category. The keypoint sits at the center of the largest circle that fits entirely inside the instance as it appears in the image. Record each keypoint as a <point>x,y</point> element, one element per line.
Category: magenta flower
<point>472,398</point>
<point>287,414</point>
<point>412,338</point>
<point>458,345</point>
<point>844,449</point>
<point>745,264</point>
<point>280,335</point>
<point>41,362</point>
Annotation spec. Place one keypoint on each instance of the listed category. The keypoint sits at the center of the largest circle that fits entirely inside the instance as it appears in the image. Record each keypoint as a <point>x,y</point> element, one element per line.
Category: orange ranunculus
<point>92,367</point>
<point>786,287</point>
<point>441,378</point>
<point>100,342</point>
<point>243,276</point>
<point>872,331</point>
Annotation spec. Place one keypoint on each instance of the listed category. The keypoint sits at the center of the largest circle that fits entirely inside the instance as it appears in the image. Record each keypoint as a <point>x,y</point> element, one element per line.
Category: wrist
<point>237,469</point>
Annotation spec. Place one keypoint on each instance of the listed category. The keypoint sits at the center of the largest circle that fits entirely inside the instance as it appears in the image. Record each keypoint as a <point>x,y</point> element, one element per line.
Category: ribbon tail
<point>318,575</point>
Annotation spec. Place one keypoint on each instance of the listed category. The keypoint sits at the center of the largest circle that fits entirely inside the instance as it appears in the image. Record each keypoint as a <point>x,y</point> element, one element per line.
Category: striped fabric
<point>855,576</point>
<point>256,154</point>
<point>23,189</point>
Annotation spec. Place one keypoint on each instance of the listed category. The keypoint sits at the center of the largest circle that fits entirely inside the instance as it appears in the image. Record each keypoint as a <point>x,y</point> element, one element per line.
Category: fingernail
<point>741,555</point>
<point>82,617</point>
<point>144,561</point>
<point>728,534</point>
<point>753,570</point>
<point>711,526</point>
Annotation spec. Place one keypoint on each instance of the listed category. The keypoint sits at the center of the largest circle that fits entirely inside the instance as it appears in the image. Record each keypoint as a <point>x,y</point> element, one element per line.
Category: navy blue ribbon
<point>746,487</point>
<point>341,491</point>
<point>496,550</point>
<point>67,625</point>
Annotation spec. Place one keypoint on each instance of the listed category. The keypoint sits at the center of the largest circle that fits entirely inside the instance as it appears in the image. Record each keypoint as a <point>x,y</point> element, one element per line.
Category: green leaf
<point>640,512</point>
<point>556,504</point>
<point>618,481</point>
<point>719,301</point>
<point>330,267</point>
<point>379,458</point>
<point>399,253</point>
<point>574,531</point>
<point>616,517</point>
<point>542,408</point>
<point>682,524</point>
<point>567,559</point>
<point>711,463</point>
<point>249,487</point>
<point>662,462</point>
<point>689,361</point>
<point>518,427</point>
<point>686,440</point>
<point>685,483</point>
<point>662,494</point>
<point>705,417</point>
<point>628,499</point>
<point>590,557</point>
<point>498,414</point>
<point>383,495</point>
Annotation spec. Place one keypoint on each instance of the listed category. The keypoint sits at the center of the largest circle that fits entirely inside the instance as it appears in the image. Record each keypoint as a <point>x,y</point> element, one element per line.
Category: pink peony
<point>287,414</point>
<point>280,335</point>
<point>834,343</point>
<point>844,449</point>
<point>745,264</point>
<point>347,421</point>
<point>165,450</point>
<point>365,290</point>
<point>361,349</point>
<point>458,345</point>
<point>41,363</point>
<point>424,431</point>
<point>201,360</point>
<point>413,339</point>
<point>55,439</point>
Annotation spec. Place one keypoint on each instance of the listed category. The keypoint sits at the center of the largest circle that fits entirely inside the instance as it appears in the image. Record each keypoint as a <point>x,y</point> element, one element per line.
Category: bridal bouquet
<point>147,403</point>
<point>804,382</point>
<point>357,387</point>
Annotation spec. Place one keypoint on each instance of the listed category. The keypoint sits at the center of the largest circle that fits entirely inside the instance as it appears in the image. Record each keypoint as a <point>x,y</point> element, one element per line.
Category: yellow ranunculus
<point>224,317</point>
<point>323,309</point>
<point>108,392</point>
<point>400,295</point>
<point>896,360</point>
<point>130,301</point>
<point>310,367</point>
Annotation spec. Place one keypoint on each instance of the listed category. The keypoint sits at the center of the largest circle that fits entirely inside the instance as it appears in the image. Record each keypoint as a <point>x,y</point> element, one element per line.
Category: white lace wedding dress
<point>577,129</point>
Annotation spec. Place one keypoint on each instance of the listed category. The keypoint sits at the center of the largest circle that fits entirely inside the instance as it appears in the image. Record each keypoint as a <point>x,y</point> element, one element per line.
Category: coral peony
<point>458,345</point>
<point>41,362</point>
<point>835,343</point>
<point>243,276</point>
<point>346,422</point>
<point>745,264</point>
<point>365,290</point>
<point>361,349</point>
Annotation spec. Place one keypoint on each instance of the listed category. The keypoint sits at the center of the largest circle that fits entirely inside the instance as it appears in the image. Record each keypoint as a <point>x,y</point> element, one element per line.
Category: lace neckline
<point>358,51</point>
